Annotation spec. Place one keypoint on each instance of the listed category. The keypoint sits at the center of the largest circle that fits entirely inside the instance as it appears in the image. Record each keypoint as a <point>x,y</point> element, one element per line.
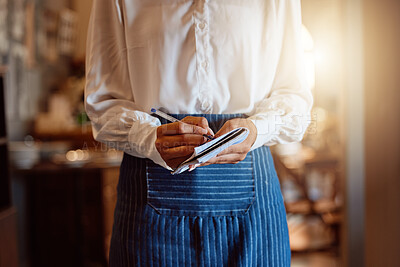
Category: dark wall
<point>4,178</point>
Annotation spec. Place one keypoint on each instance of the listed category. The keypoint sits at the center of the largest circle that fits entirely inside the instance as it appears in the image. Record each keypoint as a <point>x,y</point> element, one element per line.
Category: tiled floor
<point>315,259</point>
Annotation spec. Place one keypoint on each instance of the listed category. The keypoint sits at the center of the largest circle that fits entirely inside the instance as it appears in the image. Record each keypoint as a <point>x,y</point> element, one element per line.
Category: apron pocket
<point>214,190</point>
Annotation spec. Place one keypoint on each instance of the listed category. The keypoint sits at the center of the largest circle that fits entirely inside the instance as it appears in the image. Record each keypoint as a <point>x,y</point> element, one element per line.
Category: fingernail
<point>211,131</point>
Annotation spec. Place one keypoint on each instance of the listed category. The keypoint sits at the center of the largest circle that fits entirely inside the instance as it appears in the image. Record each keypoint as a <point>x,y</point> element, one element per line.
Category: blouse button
<point>201,25</point>
<point>204,64</point>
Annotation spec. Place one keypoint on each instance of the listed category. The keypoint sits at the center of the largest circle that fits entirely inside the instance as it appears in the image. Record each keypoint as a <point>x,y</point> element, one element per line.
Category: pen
<point>172,119</point>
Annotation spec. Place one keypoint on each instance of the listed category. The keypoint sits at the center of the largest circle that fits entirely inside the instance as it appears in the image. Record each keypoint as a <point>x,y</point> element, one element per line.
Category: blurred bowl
<point>24,155</point>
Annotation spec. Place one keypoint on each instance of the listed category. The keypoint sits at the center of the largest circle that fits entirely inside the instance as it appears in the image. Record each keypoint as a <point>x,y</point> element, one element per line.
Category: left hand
<point>238,152</point>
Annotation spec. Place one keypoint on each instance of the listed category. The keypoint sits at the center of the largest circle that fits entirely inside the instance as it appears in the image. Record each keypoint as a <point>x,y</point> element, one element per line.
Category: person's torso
<point>202,56</point>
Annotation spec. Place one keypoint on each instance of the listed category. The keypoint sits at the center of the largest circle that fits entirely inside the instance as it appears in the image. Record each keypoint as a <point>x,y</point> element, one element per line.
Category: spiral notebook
<point>212,148</point>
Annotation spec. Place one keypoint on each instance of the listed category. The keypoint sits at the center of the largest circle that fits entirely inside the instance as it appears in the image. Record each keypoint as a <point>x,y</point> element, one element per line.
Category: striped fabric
<point>219,215</point>
<point>212,190</point>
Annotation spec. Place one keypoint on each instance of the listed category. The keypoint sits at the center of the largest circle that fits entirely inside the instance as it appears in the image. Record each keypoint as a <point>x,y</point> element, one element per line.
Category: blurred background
<point>340,184</point>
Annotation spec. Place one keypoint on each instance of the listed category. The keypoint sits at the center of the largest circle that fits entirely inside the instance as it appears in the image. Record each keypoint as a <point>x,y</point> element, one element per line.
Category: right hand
<point>176,141</point>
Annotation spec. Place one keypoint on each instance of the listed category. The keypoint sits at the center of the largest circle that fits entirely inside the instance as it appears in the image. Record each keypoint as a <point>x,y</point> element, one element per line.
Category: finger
<point>233,124</point>
<point>242,148</point>
<point>210,131</point>
<point>179,128</point>
<point>181,140</point>
<point>226,128</point>
<point>192,167</point>
<point>205,164</point>
<point>198,121</point>
<point>177,152</point>
<point>226,159</point>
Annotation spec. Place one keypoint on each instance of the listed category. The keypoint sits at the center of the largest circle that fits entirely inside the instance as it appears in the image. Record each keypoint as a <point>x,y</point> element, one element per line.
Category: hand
<point>238,152</point>
<point>176,141</point>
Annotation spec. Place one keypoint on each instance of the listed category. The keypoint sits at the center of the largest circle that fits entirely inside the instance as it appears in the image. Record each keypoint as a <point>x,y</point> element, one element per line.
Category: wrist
<point>253,131</point>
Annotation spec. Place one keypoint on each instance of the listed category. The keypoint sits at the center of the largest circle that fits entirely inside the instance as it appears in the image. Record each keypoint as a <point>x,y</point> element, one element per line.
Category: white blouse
<point>199,56</point>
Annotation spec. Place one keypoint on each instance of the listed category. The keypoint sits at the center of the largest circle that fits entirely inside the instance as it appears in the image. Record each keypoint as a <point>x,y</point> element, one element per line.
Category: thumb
<point>198,121</point>
<point>210,131</point>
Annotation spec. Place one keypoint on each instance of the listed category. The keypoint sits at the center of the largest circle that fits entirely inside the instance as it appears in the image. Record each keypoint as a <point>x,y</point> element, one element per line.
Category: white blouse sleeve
<point>117,119</point>
<point>284,115</point>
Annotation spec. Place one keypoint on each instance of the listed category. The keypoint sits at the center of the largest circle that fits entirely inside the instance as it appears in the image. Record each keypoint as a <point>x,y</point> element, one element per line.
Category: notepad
<point>212,148</point>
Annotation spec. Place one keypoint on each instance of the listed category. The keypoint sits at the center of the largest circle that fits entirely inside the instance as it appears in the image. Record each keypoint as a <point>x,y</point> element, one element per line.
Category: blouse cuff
<point>263,135</point>
<point>155,155</point>
<point>145,146</point>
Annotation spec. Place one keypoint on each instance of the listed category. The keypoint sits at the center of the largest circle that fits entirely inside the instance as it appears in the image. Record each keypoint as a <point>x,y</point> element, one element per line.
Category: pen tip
<point>153,110</point>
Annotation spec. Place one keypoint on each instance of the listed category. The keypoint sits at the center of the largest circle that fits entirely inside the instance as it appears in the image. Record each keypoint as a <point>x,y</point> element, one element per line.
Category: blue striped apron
<point>217,215</point>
